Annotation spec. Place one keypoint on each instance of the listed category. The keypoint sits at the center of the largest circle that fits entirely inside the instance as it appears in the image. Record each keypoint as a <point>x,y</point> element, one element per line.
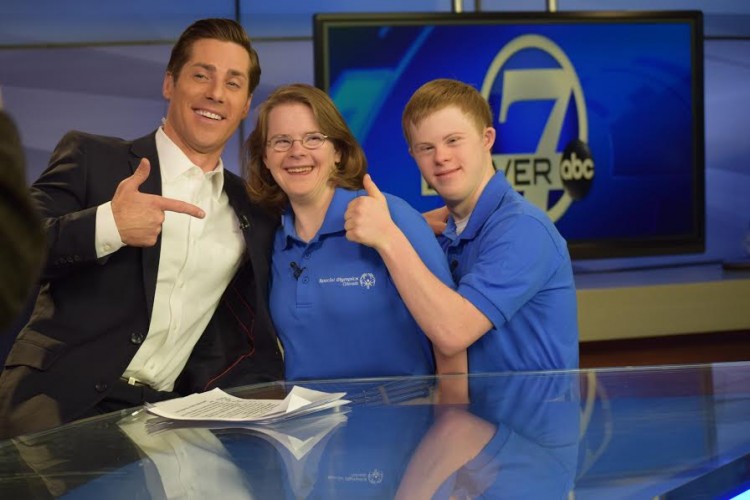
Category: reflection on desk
<point>626,433</point>
<point>517,438</point>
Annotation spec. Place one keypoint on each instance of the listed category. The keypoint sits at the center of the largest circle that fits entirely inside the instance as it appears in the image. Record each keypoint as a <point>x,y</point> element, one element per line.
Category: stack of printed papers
<point>217,405</point>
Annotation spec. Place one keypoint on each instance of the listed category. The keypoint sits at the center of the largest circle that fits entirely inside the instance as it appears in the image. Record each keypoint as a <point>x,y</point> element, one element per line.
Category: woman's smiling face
<point>302,173</point>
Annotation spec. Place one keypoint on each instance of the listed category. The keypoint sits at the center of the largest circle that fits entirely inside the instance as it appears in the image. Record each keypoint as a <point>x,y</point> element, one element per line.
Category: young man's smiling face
<point>208,99</point>
<point>454,156</point>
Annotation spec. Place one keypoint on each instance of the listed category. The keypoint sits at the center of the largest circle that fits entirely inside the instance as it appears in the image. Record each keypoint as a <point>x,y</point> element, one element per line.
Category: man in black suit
<point>21,235</point>
<point>155,283</point>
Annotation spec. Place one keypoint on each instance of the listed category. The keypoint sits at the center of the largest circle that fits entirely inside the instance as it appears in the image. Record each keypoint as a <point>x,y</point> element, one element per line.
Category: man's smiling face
<point>208,99</point>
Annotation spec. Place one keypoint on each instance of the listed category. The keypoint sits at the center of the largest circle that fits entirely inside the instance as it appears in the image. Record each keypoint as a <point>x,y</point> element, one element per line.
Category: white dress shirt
<point>198,259</point>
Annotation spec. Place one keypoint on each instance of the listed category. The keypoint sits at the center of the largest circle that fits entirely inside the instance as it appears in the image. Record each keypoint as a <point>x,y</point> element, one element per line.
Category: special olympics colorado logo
<point>548,178</point>
<point>367,280</point>
<point>375,476</point>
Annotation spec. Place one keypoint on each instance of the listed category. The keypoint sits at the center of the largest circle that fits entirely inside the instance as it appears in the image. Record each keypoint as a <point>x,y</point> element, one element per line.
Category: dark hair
<point>226,30</point>
<point>350,171</point>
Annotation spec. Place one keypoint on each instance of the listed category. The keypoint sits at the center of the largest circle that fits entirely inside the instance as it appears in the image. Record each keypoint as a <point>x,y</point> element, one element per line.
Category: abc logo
<point>577,169</point>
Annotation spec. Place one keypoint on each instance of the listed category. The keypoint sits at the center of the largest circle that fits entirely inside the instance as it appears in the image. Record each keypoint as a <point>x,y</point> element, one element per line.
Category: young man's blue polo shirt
<point>333,303</point>
<point>513,265</point>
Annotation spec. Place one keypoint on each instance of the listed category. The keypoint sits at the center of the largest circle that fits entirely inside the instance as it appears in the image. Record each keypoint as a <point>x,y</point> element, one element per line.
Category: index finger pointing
<point>179,206</point>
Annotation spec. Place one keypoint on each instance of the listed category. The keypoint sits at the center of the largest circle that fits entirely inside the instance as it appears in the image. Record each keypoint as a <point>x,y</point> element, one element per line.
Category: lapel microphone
<point>296,270</point>
<point>244,223</point>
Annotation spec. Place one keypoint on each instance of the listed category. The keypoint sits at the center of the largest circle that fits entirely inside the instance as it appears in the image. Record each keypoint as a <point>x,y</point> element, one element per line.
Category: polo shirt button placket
<point>303,290</point>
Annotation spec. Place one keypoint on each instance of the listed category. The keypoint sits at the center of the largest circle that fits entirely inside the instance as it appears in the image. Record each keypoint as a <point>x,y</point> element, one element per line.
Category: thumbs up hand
<point>367,218</point>
<point>372,190</point>
<point>139,216</point>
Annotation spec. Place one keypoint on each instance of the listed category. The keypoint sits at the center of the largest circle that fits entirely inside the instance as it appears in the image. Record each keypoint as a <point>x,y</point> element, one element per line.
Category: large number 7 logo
<point>537,173</point>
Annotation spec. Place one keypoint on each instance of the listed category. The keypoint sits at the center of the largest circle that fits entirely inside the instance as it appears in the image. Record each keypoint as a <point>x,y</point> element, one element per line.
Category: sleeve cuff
<point>107,239</point>
<point>485,306</point>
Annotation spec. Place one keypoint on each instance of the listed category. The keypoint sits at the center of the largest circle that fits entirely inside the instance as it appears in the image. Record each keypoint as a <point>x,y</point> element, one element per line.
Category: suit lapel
<point>238,200</point>
<point>145,147</point>
<point>257,229</point>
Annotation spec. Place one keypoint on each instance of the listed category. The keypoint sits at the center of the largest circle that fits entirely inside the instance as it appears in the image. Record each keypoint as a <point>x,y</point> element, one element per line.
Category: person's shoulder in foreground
<point>22,247</point>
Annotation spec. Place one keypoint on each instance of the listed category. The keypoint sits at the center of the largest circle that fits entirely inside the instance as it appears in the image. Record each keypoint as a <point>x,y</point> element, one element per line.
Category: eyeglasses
<point>283,143</point>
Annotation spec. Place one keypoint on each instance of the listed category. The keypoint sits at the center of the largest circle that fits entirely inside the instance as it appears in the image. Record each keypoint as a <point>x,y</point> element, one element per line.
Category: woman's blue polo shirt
<point>333,303</point>
<point>513,265</point>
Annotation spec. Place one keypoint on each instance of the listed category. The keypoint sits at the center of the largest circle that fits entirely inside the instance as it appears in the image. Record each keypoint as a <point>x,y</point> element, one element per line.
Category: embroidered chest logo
<point>376,475</point>
<point>367,280</point>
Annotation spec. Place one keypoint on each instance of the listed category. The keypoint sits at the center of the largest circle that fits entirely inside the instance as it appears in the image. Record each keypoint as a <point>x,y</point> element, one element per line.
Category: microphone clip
<point>244,223</point>
<point>296,270</point>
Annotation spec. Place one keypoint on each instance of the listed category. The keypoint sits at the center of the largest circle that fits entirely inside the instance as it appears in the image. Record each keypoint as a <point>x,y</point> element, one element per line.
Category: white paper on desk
<point>300,436</point>
<point>217,405</point>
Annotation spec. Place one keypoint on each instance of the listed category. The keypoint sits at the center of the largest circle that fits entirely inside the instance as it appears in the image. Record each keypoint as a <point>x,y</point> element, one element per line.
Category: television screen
<point>599,115</point>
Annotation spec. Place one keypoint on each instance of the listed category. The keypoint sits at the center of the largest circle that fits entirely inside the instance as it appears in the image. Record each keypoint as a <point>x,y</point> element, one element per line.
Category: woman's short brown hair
<point>348,173</point>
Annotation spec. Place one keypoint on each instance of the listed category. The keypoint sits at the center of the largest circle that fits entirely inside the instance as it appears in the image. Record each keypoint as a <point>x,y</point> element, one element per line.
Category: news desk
<point>666,432</point>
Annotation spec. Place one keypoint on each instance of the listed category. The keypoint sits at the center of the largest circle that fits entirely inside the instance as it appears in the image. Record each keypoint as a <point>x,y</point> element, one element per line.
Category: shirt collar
<point>333,221</point>
<point>492,196</point>
<point>173,163</point>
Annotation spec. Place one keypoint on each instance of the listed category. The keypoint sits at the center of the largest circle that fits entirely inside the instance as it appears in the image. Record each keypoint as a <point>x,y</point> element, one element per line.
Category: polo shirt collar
<point>492,196</point>
<point>174,163</point>
<point>333,221</point>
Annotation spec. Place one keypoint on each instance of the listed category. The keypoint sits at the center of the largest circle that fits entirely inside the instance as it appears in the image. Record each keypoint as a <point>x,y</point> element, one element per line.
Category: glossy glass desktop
<point>667,432</point>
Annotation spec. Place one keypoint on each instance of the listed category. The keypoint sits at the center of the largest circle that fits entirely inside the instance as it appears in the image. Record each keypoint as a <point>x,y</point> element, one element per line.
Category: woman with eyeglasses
<point>332,301</point>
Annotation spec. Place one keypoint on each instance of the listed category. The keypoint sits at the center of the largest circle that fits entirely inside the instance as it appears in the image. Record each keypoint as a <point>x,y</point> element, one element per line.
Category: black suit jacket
<point>91,315</point>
